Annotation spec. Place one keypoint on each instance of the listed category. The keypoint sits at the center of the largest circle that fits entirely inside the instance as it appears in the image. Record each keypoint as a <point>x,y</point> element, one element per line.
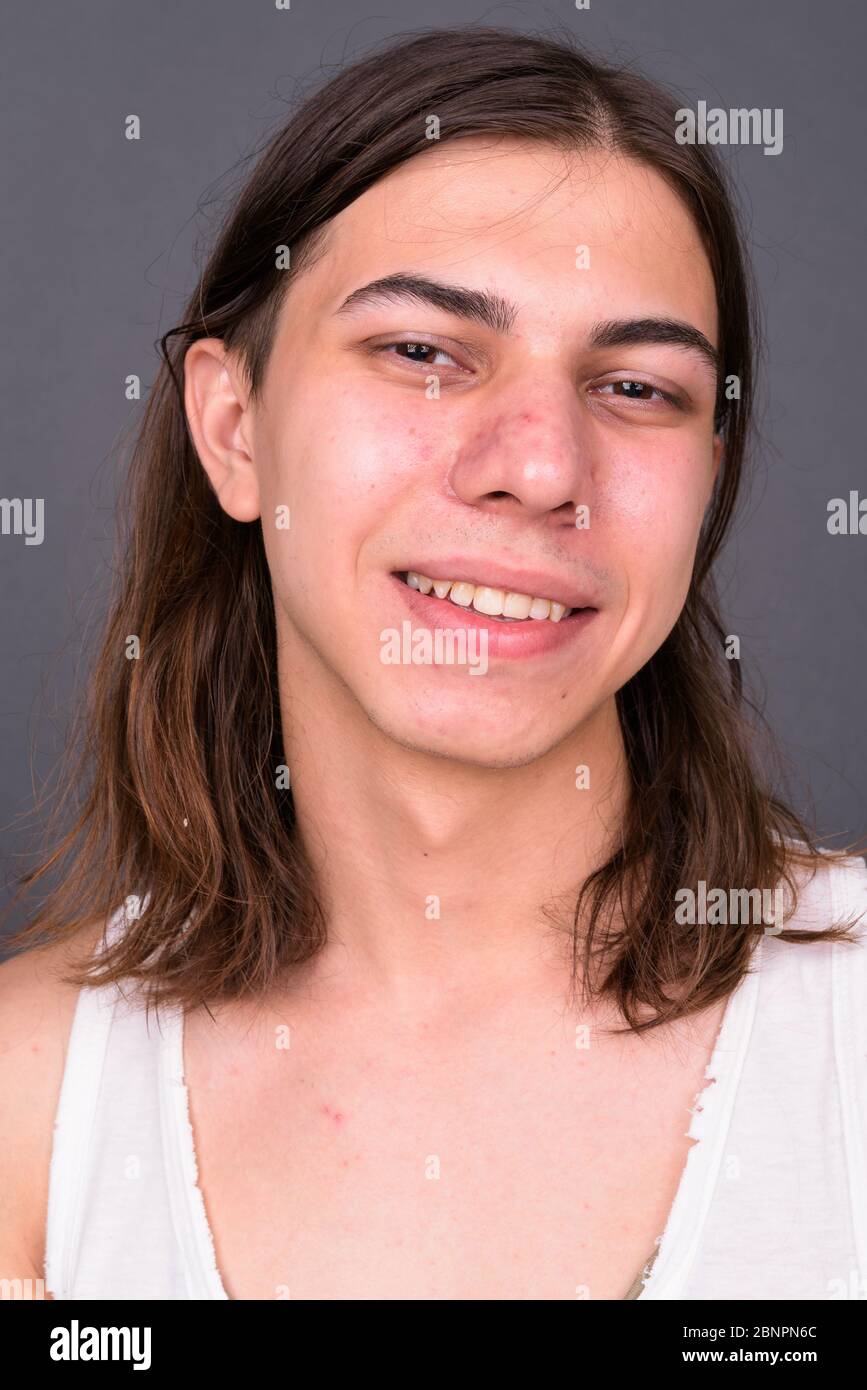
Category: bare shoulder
<point>36,1011</point>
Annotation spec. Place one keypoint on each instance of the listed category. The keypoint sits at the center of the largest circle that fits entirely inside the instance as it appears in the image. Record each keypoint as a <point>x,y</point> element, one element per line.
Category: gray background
<point>101,238</point>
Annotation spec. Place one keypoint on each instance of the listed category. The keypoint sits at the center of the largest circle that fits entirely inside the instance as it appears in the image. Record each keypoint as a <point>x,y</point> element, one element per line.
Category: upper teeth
<point>493,602</point>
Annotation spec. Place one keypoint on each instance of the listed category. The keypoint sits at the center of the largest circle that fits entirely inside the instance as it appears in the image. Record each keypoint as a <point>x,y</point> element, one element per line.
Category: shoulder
<point>831,893</point>
<point>37,1006</point>
<point>820,980</point>
<point>849,887</point>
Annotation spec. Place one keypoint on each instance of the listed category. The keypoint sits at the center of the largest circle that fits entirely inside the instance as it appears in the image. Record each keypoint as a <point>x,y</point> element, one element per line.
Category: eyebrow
<point>493,311</point>
<point>626,332</point>
<point>482,306</point>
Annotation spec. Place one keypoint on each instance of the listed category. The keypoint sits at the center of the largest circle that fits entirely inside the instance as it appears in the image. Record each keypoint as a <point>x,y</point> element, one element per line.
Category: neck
<point>435,874</point>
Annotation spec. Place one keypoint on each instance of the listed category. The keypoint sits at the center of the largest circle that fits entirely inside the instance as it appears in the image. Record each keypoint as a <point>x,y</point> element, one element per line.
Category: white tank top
<point>772,1201</point>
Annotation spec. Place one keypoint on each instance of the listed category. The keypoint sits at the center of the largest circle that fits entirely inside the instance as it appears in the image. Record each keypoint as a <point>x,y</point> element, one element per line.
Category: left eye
<point>420,352</point>
<point>634,390</point>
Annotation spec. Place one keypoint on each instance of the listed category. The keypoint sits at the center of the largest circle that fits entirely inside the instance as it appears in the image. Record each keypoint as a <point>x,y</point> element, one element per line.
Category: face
<point>514,413</point>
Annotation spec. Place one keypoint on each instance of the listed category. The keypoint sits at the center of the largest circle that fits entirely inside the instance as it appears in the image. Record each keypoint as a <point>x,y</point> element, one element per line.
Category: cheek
<point>337,448</point>
<point>341,461</point>
<point>657,499</point>
<point>652,513</point>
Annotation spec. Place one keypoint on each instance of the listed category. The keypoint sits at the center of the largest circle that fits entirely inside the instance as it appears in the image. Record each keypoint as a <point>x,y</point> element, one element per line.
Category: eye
<point>422,353</point>
<point>628,389</point>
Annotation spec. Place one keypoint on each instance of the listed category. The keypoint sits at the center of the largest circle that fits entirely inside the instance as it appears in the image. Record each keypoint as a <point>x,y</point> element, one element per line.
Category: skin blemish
<point>698,1106</point>
<point>336,1115</point>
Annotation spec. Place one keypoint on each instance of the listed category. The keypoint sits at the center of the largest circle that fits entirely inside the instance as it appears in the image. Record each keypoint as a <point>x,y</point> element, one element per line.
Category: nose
<point>529,452</point>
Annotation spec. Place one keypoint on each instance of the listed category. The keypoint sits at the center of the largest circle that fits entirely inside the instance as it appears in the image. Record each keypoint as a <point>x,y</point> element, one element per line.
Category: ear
<point>215,400</point>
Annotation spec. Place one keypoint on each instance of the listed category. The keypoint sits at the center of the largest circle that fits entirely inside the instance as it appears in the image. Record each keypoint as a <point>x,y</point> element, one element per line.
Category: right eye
<point>418,352</point>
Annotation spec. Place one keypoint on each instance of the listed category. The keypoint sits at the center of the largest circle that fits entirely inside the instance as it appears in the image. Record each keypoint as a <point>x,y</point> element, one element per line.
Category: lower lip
<point>532,637</point>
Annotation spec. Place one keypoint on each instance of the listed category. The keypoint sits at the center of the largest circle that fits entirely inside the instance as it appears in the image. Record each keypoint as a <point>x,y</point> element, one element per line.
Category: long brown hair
<point>180,747</point>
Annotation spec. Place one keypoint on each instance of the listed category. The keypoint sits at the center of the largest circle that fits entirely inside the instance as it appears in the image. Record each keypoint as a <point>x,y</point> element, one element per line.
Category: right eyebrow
<point>481,306</point>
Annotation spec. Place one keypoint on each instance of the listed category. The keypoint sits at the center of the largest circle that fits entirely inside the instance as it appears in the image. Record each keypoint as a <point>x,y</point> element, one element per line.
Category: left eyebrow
<point>629,332</point>
<point>497,313</point>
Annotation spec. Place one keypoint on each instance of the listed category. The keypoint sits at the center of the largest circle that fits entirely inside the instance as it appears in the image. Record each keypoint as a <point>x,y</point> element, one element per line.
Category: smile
<point>502,604</point>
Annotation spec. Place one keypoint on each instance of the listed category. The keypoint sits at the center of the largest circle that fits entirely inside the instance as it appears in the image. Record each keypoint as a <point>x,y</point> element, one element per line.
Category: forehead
<point>567,232</point>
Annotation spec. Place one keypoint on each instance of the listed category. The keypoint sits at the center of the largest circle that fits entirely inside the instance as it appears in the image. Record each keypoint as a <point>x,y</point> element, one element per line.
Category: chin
<point>469,736</point>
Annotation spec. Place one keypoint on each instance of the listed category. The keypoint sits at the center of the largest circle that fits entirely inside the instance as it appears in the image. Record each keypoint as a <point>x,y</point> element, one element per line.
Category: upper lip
<point>535,582</point>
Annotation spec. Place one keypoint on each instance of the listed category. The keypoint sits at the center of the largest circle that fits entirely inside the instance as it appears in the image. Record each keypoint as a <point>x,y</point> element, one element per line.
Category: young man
<point>426,739</point>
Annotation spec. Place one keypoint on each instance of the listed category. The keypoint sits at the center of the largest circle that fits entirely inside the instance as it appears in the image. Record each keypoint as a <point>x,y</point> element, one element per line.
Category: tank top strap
<point>112,1222</point>
<point>849,983</point>
<point>75,1118</point>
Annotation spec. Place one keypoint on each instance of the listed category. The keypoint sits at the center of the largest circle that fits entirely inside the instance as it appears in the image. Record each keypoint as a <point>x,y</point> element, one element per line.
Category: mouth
<point>500,605</point>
